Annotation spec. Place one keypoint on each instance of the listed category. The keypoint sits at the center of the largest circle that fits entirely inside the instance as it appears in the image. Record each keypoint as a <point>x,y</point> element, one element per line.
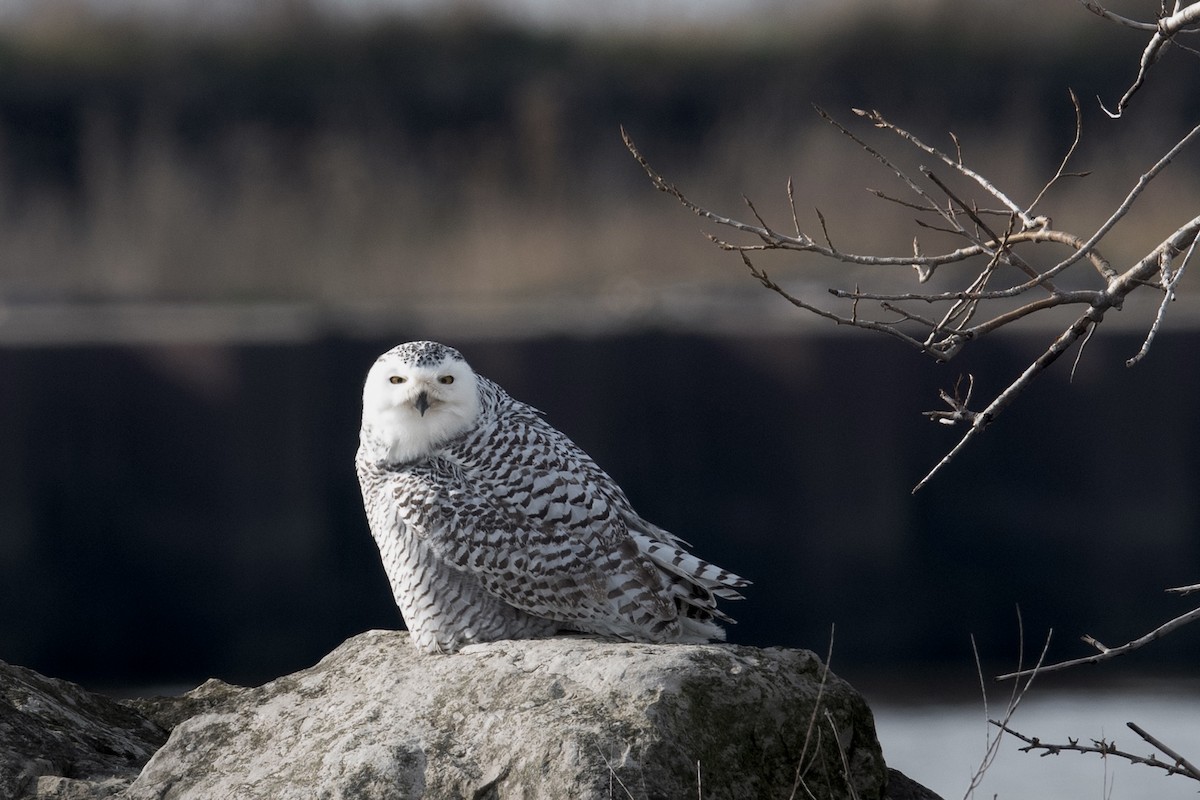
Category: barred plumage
<point>494,525</point>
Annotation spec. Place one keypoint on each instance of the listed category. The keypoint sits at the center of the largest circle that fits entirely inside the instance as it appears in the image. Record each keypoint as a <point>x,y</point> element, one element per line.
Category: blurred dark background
<point>209,228</point>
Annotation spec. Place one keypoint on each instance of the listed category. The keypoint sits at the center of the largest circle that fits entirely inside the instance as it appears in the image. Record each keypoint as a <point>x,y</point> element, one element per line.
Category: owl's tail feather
<point>678,561</point>
<point>694,584</point>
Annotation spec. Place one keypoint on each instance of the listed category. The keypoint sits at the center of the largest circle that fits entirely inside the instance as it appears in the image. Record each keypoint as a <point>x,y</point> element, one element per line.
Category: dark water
<point>174,512</point>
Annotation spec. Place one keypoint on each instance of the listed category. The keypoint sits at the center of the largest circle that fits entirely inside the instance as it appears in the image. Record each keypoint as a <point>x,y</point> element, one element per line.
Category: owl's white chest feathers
<point>400,435</point>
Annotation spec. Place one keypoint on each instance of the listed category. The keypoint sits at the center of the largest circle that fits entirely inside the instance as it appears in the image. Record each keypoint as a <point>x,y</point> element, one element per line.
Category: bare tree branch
<point>1103,12</point>
<point>957,163</point>
<point>1105,748</point>
<point>1105,653</point>
<point>985,288</point>
<point>1181,20</point>
<point>1169,281</point>
<point>980,420</point>
<point>1185,766</point>
<point>945,335</point>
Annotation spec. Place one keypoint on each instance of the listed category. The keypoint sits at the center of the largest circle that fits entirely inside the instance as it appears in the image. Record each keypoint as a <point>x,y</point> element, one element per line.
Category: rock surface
<point>59,741</point>
<point>553,718</point>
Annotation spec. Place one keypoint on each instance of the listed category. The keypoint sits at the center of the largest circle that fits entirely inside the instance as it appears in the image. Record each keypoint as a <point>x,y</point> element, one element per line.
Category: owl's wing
<point>544,475</point>
<point>545,557</point>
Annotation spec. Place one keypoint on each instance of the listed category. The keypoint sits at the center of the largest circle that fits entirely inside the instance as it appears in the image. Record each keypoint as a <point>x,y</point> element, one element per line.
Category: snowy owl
<point>494,525</point>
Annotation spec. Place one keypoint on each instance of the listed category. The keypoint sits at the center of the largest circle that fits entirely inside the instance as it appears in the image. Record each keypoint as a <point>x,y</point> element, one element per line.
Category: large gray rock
<point>556,718</point>
<point>553,718</point>
<point>58,741</point>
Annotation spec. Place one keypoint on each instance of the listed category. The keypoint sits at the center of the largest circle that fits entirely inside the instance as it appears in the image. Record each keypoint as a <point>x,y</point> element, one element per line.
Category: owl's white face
<point>412,405</point>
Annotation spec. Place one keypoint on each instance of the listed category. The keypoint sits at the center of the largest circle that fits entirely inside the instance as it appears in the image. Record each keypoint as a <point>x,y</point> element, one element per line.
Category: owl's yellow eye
<point>446,379</point>
<point>396,379</point>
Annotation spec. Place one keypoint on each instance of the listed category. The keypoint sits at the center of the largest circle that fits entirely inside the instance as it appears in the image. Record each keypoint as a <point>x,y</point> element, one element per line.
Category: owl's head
<point>418,396</point>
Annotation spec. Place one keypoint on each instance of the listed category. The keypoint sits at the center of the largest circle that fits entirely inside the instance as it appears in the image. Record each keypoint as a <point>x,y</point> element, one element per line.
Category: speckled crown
<point>424,354</point>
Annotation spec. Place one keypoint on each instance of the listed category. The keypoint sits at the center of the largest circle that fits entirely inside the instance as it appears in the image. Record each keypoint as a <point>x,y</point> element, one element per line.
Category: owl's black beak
<point>422,402</point>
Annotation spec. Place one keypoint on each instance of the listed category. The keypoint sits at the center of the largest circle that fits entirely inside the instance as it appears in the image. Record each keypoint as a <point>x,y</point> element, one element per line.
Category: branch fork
<point>985,302</point>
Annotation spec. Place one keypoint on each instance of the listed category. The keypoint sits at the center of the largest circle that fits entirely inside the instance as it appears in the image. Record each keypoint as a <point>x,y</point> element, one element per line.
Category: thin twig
<point>877,119</point>
<point>1104,13</point>
<point>1170,281</point>
<point>1079,353</point>
<point>1105,653</point>
<point>982,419</point>
<point>812,720</point>
<point>1123,209</point>
<point>1164,32</point>
<point>1105,748</point>
<point>1041,304</point>
<point>612,775</point>
<point>1014,700</point>
<point>1061,171</point>
<point>888,328</point>
<point>841,748</point>
<point>792,205</point>
<point>774,240</point>
<point>1188,768</point>
<point>1009,256</point>
<point>881,158</point>
<point>660,183</point>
